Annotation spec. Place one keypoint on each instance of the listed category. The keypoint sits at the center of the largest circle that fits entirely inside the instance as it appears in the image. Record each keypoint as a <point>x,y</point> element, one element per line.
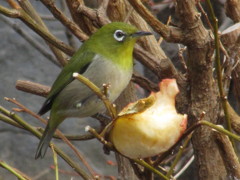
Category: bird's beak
<point>140,33</point>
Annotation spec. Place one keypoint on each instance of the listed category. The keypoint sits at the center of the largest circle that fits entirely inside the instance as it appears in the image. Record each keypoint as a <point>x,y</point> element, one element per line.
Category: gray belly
<point>77,100</point>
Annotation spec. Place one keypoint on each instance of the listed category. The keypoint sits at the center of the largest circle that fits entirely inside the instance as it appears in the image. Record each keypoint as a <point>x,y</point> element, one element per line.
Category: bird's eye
<point>119,35</point>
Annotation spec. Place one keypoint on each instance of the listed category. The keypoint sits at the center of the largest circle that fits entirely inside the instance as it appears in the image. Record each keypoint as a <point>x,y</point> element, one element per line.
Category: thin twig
<point>178,156</point>
<point>79,155</point>
<point>47,17</point>
<point>151,168</point>
<point>14,171</point>
<point>168,22</point>
<point>74,137</point>
<point>97,16</point>
<point>128,14</point>
<point>42,173</point>
<point>181,58</point>
<point>55,162</point>
<point>218,69</point>
<point>111,109</point>
<point>211,27</point>
<point>9,120</point>
<point>99,137</point>
<point>184,167</point>
<point>205,15</point>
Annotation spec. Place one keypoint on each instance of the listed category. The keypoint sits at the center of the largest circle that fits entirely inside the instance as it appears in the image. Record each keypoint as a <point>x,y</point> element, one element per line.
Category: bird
<point>105,58</point>
<point>149,126</point>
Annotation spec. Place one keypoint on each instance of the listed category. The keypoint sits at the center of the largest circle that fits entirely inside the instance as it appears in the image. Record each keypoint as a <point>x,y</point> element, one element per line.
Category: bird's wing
<point>78,63</point>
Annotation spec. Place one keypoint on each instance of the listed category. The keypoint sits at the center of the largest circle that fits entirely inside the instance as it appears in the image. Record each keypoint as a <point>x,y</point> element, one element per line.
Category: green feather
<point>65,77</point>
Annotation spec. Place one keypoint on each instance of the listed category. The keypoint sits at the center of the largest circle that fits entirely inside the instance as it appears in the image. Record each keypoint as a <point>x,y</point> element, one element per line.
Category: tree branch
<point>64,20</point>
<point>170,34</point>
<point>229,156</point>
<point>20,14</point>
<point>33,88</point>
<point>232,8</point>
<point>203,92</point>
<point>29,9</point>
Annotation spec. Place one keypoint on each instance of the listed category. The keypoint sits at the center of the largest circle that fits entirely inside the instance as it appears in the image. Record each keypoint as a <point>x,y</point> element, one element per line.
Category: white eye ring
<point>119,35</point>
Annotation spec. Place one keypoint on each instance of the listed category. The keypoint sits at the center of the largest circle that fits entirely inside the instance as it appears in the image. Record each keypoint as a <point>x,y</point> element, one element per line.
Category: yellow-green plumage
<point>106,58</point>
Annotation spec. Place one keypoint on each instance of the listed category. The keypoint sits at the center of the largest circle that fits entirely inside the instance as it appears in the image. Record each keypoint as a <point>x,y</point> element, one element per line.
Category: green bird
<point>105,58</point>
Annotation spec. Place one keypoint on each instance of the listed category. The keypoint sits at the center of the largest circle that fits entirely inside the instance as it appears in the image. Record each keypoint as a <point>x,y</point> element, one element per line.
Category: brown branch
<point>235,119</point>
<point>80,19</point>
<point>232,8</point>
<point>170,34</point>
<point>205,15</point>
<point>29,9</point>
<point>64,20</point>
<point>20,14</point>
<point>181,57</point>
<point>97,16</point>
<point>33,88</point>
<point>230,36</point>
<point>167,24</point>
<point>203,93</point>
<point>229,39</point>
<point>161,67</point>
<point>145,83</point>
<point>229,157</point>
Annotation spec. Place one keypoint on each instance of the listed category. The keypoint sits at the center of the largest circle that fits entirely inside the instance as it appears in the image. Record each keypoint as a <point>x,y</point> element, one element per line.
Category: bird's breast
<point>77,100</point>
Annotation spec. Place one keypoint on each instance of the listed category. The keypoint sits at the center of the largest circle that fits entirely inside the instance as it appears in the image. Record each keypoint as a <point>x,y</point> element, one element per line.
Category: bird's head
<point>116,39</point>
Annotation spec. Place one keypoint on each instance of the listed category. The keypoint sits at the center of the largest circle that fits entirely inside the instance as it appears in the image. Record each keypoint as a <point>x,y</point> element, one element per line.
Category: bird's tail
<point>44,142</point>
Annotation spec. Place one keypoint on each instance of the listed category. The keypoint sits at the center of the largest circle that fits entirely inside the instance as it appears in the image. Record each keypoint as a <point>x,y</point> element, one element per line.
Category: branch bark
<point>203,93</point>
<point>228,155</point>
<point>64,20</point>
<point>170,34</point>
<point>232,8</point>
<point>33,88</point>
<point>29,9</point>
